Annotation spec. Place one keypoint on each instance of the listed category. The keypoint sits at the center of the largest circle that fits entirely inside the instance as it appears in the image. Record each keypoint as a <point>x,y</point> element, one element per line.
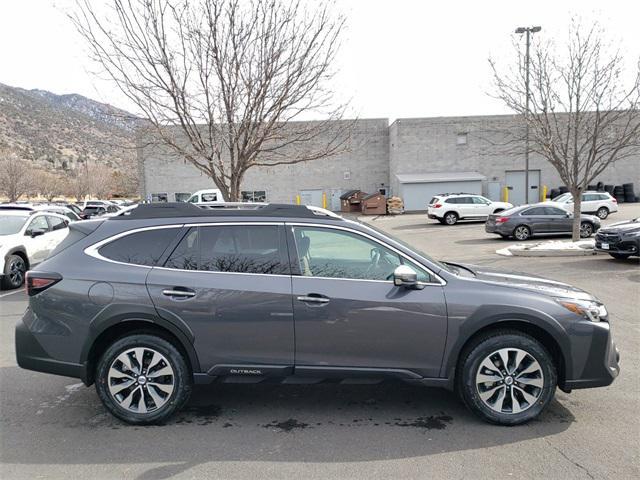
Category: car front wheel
<point>586,230</point>
<point>143,379</point>
<point>14,272</point>
<point>507,378</point>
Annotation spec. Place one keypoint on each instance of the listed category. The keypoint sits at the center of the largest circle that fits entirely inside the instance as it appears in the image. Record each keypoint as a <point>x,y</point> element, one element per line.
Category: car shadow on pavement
<point>55,420</point>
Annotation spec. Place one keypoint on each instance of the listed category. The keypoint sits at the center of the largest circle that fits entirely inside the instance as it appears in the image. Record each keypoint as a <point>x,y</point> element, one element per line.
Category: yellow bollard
<point>297,199</point>
<point>544,194</point>
<point>505,194</point>
<point>324,200</point>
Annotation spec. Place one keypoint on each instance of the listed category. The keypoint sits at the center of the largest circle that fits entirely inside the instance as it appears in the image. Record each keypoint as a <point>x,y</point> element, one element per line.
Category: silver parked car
<point>539,219</point>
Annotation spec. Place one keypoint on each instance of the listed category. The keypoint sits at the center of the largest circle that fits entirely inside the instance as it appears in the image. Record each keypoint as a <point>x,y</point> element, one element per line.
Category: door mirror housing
<point>405,276</point>
<point>37,232</point>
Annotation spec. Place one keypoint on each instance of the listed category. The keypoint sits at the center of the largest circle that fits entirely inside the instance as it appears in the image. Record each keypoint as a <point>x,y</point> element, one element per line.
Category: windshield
<point>11,224</point>
<point>442,265</point>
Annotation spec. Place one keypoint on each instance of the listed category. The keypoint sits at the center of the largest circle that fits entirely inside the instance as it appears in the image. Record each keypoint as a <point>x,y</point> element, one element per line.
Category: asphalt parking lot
<point>54,427</point>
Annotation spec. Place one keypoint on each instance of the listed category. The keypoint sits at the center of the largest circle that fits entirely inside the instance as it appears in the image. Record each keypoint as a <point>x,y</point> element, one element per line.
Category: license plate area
<point>605,246</point>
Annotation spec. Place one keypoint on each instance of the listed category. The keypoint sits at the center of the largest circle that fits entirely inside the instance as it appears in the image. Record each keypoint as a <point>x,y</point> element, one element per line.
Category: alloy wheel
<point>450,219</point>
<point>16,272</point>
<point>585,230</point>
<point>602,213</point>
<point>521,233</point>
<point>509,381</point>
<point>141,380</point>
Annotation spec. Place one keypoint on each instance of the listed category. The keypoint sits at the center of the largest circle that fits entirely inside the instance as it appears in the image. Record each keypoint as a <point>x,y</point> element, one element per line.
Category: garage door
<point>416,196</point>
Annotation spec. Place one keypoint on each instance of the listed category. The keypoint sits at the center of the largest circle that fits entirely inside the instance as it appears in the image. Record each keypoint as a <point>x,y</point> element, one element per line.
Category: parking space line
<point>11,293</point>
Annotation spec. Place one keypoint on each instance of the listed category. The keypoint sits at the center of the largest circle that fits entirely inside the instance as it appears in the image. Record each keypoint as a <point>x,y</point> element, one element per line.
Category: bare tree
<point>15,175</point>
<point>79,182</point>
<point>101,180</point>
<point>583,115</point>
<point>223,81</point>
<point>48,184</point>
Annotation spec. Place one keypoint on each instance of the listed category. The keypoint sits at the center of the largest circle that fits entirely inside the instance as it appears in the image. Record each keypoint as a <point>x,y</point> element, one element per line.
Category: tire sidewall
<point>182,379</point>
<point>528,233</point>
<point>477,354</point>
<point>452,215</point>
<point>606,213</point>
<point>6,282</point>
<point>586,224</point>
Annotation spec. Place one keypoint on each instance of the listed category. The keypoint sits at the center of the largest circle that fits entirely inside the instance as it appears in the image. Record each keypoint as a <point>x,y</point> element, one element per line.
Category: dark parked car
<point>620,240</point>
<point>539,219</point>
<point>172,295</point>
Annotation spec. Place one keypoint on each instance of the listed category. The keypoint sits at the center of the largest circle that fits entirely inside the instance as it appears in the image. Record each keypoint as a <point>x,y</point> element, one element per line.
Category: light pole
<point>528,31</point>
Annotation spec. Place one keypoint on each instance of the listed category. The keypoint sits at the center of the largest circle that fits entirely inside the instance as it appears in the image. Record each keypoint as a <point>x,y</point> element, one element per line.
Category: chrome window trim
<point>92,250</point>
<point>441,281</point>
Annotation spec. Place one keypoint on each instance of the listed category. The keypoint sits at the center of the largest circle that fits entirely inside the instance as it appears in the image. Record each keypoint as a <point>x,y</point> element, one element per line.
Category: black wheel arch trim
<point>119,314</point>
<point>19,249</point>
<point>504,316</point>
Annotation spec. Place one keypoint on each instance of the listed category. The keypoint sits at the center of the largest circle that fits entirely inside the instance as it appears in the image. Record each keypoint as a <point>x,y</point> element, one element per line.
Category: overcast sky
<point>402,58</point>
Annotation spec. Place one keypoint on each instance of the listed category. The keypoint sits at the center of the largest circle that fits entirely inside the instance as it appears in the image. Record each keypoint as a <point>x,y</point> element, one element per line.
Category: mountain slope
<point>63,131</point>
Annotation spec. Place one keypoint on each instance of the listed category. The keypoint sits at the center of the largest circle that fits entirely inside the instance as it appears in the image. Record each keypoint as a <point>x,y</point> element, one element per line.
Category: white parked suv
<point>600,203</point>
<point>448,208</point>
<point>26,238</point>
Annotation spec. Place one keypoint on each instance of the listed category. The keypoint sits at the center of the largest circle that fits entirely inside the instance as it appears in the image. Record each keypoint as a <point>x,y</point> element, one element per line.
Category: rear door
<point>231,285</point>
<point>538,220</point>
<point>59,229</point>
<point>350,318</point>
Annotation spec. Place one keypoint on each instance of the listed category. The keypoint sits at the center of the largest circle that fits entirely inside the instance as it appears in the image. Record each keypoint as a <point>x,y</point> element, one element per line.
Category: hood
<point>526,281</point>
<point>628,226</point>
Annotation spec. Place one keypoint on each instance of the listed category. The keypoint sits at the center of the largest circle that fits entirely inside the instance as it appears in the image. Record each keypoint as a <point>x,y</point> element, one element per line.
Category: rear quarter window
<point>140,248</point>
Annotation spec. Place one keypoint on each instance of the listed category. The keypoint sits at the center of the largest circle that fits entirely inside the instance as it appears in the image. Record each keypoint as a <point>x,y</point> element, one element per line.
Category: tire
<point>620,256</point>
<point>522,232</point>
<point>602,213</point>
<point>586,230</point>
<point>450,218</point>
<point>160,403</point>
<point>502,401</point>
<point>14,272</point>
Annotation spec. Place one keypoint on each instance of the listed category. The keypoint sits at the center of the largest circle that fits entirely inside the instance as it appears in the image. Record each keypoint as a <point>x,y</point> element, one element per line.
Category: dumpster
<point>351,201</point>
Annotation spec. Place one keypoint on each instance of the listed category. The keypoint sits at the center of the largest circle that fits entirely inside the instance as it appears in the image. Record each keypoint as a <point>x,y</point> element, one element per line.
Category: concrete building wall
<point>363,166</point>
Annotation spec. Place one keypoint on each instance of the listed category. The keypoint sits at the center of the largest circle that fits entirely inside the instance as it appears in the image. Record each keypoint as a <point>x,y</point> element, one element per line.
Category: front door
<point>558,220</point>
<point>230,285</point>
<point>351,318</point>
<point>37,247</point>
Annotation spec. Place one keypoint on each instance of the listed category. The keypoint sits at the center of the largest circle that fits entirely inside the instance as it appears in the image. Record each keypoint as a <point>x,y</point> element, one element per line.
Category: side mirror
<point>37,232</point>
<point>405,276</point>
<point>569,214</point>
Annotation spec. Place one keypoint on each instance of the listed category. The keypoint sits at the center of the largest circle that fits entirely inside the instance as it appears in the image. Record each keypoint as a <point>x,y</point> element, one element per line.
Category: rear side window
<point>234,248</point>
<point>141,248</point>
<point>452,200</point>
<point>535,211</point>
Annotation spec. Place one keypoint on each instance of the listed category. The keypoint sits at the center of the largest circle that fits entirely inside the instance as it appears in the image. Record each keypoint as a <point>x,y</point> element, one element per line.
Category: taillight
<point>614,200</point>
<point>437,205</point>
<point>37,282</point>
<point>502,219</point>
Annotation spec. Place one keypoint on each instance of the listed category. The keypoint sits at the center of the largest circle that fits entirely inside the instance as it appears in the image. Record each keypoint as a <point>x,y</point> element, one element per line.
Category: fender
<point>494,315</point>
<point>18,249</point>
<point>118,313</point>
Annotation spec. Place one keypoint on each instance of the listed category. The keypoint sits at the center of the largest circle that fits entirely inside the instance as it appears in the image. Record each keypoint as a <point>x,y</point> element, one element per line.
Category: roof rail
<point>183,209</point>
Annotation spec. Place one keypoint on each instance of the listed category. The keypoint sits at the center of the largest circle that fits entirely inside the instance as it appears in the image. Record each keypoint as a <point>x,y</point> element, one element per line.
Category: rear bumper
<point>601,362</point>
<point>433,216</point>
<point>31,356</point>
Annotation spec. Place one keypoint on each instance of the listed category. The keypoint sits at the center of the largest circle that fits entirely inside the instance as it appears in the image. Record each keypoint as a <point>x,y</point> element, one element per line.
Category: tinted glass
<point>465,200</point>
<point>38,223</point>
<point>535,211</point>
<point>209,197</point>
<point>433,200</point>
<point>141,248</point>
<point>479,201</point>
<point>452,200</point>
<point>57,223</point>
<point>339,254</point>
<point>555,211</point>
<point>238,249</point>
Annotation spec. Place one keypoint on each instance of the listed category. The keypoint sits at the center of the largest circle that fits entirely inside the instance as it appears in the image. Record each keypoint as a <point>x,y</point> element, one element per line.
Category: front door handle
<point>185,293</point>
<point>313,298</point>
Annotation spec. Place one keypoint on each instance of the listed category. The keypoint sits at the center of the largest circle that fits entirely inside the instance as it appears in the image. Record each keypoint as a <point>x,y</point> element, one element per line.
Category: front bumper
<point>617,244</point>
<point>596,363</point>
<point>31,356</point>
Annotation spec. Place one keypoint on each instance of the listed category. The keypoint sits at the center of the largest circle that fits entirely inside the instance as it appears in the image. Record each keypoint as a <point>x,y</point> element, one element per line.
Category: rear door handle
<point>313,298</point>
<point>186,293</point>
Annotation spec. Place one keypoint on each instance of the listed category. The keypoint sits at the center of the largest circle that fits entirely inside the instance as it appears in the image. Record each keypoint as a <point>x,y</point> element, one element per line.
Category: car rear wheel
<point>586,230</point>
<point>143,379</point>
<point>602,213</point>
<point>451,218</point>
<point>507,377</point>
<point>620,256</point>
<point>522,232</point>
<point>14,272</point>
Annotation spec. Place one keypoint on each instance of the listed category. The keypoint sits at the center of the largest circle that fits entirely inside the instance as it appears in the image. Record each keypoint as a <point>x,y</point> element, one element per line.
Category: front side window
<point>555,211</point>
<point>57,223</point>
<point>235,248</point>
<point>480,201</point>
<point>140,248</point>
<point>330,253</point>
<point>38,223</point>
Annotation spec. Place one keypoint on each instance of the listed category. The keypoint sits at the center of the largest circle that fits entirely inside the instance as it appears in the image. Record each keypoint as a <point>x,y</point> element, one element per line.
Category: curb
<point>551,253</point>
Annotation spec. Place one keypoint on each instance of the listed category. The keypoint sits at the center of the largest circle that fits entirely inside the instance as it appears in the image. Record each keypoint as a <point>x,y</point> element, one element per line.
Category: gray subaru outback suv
<point>172,295</point>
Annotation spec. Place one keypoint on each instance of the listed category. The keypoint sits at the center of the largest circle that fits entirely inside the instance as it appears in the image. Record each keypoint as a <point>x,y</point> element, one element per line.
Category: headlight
<point>588,309</point>
<point>633,234</point>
